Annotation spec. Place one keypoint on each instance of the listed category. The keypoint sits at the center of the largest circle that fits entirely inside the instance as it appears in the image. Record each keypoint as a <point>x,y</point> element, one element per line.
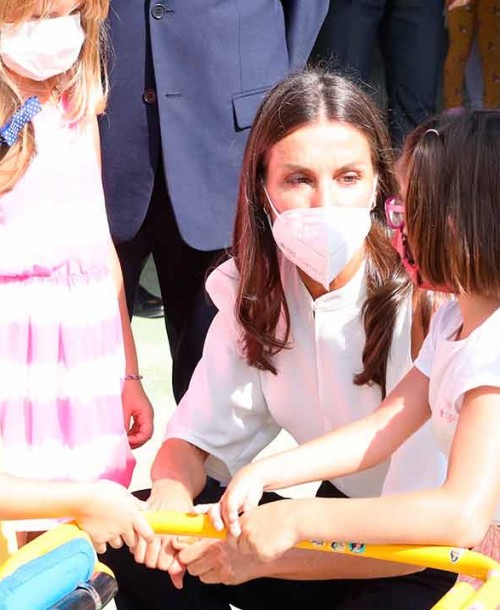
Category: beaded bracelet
<point>132,377</point>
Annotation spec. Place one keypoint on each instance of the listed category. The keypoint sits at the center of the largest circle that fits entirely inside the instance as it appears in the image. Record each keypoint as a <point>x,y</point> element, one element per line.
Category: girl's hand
<point>270,530</point>
<point>241,496</point>
<point>110,514</point>
<point>138,409</point>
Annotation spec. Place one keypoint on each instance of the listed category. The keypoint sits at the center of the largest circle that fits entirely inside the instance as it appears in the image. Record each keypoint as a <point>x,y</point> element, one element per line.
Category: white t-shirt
<point>233,411</point>
<point>456,367</point>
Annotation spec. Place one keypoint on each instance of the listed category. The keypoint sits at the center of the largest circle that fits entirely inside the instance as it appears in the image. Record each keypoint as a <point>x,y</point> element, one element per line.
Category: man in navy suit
<point>186,79</point>
<point>412,40</point>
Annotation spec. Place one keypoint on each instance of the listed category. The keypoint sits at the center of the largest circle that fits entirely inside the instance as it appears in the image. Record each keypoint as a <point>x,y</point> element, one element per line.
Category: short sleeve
<point>224,411</point>
<point>479,364</point>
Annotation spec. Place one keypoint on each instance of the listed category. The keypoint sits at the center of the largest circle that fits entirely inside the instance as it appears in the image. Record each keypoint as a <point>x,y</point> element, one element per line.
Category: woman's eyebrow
<point>293,166</point>
<point>356,164</point>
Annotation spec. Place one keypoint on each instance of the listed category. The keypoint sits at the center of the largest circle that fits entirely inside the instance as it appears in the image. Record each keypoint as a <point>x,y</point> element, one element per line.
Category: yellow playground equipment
<point>92,587</point>
<point>58,570</point>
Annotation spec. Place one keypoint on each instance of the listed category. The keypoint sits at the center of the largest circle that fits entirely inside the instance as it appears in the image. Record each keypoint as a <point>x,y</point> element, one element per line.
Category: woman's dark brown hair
<point>452,201</point>
<point>299,100</point>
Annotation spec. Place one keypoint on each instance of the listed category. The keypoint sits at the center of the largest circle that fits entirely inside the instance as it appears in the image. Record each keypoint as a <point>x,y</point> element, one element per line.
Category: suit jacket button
<point>158,11</point>
<point>149,96</point>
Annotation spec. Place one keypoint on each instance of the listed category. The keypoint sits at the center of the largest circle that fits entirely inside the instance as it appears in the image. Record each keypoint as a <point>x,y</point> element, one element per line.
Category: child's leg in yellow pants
<point>488,28</point>
<point>461,32</point>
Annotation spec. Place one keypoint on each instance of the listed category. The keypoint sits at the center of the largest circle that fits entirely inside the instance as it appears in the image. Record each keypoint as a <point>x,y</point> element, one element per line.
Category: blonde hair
<point>83,88</point>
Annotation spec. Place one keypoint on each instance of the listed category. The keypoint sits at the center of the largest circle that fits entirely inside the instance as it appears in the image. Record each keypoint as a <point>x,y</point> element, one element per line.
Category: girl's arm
<point>136,404</point>
<point>358,446</point>
<point>458,513</point>
<point>105,510</point>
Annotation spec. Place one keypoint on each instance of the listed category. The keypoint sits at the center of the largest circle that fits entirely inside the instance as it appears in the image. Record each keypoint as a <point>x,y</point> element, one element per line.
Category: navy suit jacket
<point>187,77</point>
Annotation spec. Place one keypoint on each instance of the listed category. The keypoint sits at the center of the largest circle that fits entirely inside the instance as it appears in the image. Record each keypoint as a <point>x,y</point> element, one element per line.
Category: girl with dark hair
<point>315,325</point>
<point>447,234</point>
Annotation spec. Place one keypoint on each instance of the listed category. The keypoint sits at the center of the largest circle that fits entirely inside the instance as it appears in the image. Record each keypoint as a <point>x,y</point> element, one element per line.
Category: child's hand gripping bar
<point>458,560</point>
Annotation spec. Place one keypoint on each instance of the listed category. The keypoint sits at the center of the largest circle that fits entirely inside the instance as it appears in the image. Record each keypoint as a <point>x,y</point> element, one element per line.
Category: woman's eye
<point>349,179</point>
<point>298,179</point>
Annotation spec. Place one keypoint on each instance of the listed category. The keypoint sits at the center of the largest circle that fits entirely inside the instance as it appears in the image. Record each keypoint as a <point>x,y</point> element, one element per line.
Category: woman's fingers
<point>229,509</point>
<point>165,556</point>
<point>140,550</point>
<point>152,553</point>
<point>216,516</point>
<point>252,500</point>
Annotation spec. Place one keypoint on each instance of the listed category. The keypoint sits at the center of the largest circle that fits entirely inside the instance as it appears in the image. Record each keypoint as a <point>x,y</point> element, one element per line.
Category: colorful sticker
<point>318,542</point>
<point>337,546</point>
<point>455,555</point>
<point>357,547</point>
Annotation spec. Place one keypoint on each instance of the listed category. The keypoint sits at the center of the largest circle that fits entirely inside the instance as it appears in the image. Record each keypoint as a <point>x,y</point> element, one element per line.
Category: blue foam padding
<point>40,583</point>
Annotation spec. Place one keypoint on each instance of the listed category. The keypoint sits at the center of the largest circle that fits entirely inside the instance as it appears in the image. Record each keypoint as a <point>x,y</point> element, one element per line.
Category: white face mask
<point>42,48</point>
<point>321,241</point>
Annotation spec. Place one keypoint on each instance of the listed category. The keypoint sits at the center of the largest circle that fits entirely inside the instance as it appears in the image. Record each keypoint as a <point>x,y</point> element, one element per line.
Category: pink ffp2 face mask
<point>321,241</point>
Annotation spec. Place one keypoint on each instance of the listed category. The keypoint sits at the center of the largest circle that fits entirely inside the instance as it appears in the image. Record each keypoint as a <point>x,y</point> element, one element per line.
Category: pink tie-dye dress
<point>61,347</point>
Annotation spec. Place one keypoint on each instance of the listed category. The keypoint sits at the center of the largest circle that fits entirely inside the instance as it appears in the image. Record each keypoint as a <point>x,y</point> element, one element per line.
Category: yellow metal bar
<point>170,522</point>
<point>460,561</point>
<point>487,597</point>
<point>456,597</point>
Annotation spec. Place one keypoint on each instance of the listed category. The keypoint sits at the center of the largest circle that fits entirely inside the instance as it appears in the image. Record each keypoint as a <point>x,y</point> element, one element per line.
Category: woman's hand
<point>217,561</point>
<point>137,410</point>
<point>110,514</point>
<point>159,553</point>
<point>241,496</point>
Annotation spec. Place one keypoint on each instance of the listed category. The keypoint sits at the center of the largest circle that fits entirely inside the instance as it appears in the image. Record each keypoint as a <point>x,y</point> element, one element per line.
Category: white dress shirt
<point>233,411</point>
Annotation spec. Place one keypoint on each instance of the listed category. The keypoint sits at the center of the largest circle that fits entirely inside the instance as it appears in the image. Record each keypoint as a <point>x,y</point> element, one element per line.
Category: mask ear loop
<point>373,196</point>
<point>269,200</point>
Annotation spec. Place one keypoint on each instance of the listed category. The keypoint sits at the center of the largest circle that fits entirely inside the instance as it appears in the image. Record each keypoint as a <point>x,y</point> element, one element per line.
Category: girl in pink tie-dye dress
<point>68,368</point>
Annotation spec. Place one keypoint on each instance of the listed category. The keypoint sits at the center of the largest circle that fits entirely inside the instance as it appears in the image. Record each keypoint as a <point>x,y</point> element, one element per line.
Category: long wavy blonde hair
<point>84,87</point>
